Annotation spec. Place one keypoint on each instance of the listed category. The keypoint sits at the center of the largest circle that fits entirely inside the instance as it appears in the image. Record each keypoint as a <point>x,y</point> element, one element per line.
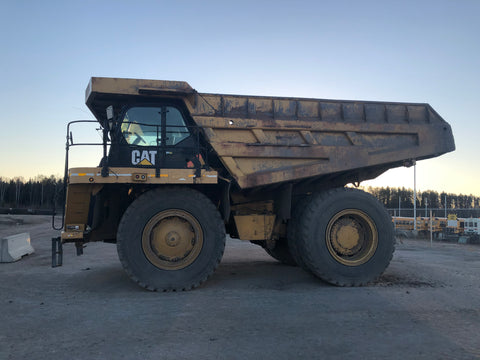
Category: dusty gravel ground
<point>425,306</point>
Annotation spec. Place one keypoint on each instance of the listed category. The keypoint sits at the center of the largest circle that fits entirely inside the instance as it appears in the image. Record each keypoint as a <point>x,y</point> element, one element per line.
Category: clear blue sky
<point>412,51</point>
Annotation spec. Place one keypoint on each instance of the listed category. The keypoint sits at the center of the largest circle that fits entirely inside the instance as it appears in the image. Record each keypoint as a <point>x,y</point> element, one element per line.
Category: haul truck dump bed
<point>266,169</point>
<point>265,140</point>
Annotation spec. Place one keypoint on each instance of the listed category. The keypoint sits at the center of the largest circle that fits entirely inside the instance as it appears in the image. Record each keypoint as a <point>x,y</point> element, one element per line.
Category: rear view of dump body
<point>269,140</point>
<point>181,169</point>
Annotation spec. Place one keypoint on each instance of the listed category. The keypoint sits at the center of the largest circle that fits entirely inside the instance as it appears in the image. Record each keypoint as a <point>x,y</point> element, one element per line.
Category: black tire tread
<point>293,234</point>
<point>305,247</point>
<point>281,252</point>
<point>132,214</point>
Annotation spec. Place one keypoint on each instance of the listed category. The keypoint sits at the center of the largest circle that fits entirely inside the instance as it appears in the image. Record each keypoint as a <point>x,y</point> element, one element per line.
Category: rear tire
<point>293,233</point>
<point>281,252</point>
<point>345,237</point>
<point>170,239</point>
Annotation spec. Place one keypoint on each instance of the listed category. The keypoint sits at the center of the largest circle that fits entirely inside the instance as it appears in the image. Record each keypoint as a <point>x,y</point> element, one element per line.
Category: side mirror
<point>110,112</point>
<point>110,116</point>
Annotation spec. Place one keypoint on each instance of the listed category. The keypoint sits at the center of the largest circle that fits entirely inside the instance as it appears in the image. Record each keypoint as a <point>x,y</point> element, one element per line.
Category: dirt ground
<point>425,306</point>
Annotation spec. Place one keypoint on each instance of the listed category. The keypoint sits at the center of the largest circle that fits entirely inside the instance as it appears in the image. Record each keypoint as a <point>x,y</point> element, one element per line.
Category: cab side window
<point>177,130</point>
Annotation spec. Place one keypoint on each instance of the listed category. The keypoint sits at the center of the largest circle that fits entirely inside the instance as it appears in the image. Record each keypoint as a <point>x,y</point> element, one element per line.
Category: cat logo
<point>146,157</point>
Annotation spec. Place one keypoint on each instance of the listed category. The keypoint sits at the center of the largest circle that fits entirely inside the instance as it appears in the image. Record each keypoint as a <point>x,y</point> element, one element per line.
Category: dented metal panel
<point>261,151</point>
<point>263,140</point>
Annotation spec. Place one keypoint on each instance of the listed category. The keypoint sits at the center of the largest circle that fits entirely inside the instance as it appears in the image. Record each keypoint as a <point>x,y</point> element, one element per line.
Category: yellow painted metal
<point>255,227</point>
<point>286,151</point>
<point>351,237</point>
<point>135,87</point>
<point>254,220</point>
<point>172,239</point>
<point>124,175</point>
<point>72,235</point>
<point>77,209</point>
<point>73,232</point>
<point>78,203</point>
<point>266,140</point>
<point>260,207</point>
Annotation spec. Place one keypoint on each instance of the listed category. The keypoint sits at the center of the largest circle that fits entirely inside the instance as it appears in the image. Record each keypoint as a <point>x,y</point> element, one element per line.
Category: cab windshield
<point>142,126</point>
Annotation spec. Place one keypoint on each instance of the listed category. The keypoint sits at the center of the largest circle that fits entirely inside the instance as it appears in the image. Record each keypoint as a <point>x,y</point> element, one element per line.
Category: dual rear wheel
<point>343,236</point>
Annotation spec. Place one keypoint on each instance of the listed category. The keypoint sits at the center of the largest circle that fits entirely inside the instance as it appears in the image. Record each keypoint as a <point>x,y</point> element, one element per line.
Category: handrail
<point>68,144</point>
<point>161,145</point>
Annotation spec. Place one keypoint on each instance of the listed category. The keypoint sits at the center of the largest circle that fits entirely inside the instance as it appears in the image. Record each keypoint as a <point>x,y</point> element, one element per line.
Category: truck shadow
<point>237,275</point>
<point>262,275</point>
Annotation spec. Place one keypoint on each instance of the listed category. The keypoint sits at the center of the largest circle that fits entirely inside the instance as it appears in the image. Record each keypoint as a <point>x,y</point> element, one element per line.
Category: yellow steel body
<point>254,220</point>
<point>267,140</point>
<point>126,175</point>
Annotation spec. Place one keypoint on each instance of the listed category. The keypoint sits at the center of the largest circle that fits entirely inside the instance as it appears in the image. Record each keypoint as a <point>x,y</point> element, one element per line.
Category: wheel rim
<point>352,237</point>
<point>172,239</point>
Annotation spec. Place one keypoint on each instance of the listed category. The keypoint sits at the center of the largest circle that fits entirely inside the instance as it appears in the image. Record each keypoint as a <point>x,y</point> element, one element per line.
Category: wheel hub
<point>346,237</point>
<point>351,237</point>
<point>172,239</point>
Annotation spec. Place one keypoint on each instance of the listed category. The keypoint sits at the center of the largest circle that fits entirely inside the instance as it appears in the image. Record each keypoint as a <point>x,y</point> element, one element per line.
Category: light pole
<point>445,206</point>
<point>414,195</point>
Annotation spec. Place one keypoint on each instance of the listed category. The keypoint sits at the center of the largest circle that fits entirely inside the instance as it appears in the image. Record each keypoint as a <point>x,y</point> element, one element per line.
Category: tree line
<point>400,200</point>
<point>41,192</point>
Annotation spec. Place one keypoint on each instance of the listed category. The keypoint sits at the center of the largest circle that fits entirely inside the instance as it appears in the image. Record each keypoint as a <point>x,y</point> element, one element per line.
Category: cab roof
<point>102,92</point>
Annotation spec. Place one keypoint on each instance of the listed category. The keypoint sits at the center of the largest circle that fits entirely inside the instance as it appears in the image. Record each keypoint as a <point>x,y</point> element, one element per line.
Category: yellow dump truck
<point>181,169</point>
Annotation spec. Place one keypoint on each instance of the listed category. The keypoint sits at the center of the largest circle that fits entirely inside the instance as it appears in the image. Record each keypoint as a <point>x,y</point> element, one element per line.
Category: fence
<point>436,212</point>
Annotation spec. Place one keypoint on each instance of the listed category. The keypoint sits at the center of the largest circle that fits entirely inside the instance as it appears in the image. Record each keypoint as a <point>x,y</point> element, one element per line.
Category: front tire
<point>346,237</point>
<point>170,239</point>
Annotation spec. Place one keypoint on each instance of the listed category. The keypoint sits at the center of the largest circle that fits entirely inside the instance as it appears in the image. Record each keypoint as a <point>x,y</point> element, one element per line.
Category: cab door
<point>154,136</point>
